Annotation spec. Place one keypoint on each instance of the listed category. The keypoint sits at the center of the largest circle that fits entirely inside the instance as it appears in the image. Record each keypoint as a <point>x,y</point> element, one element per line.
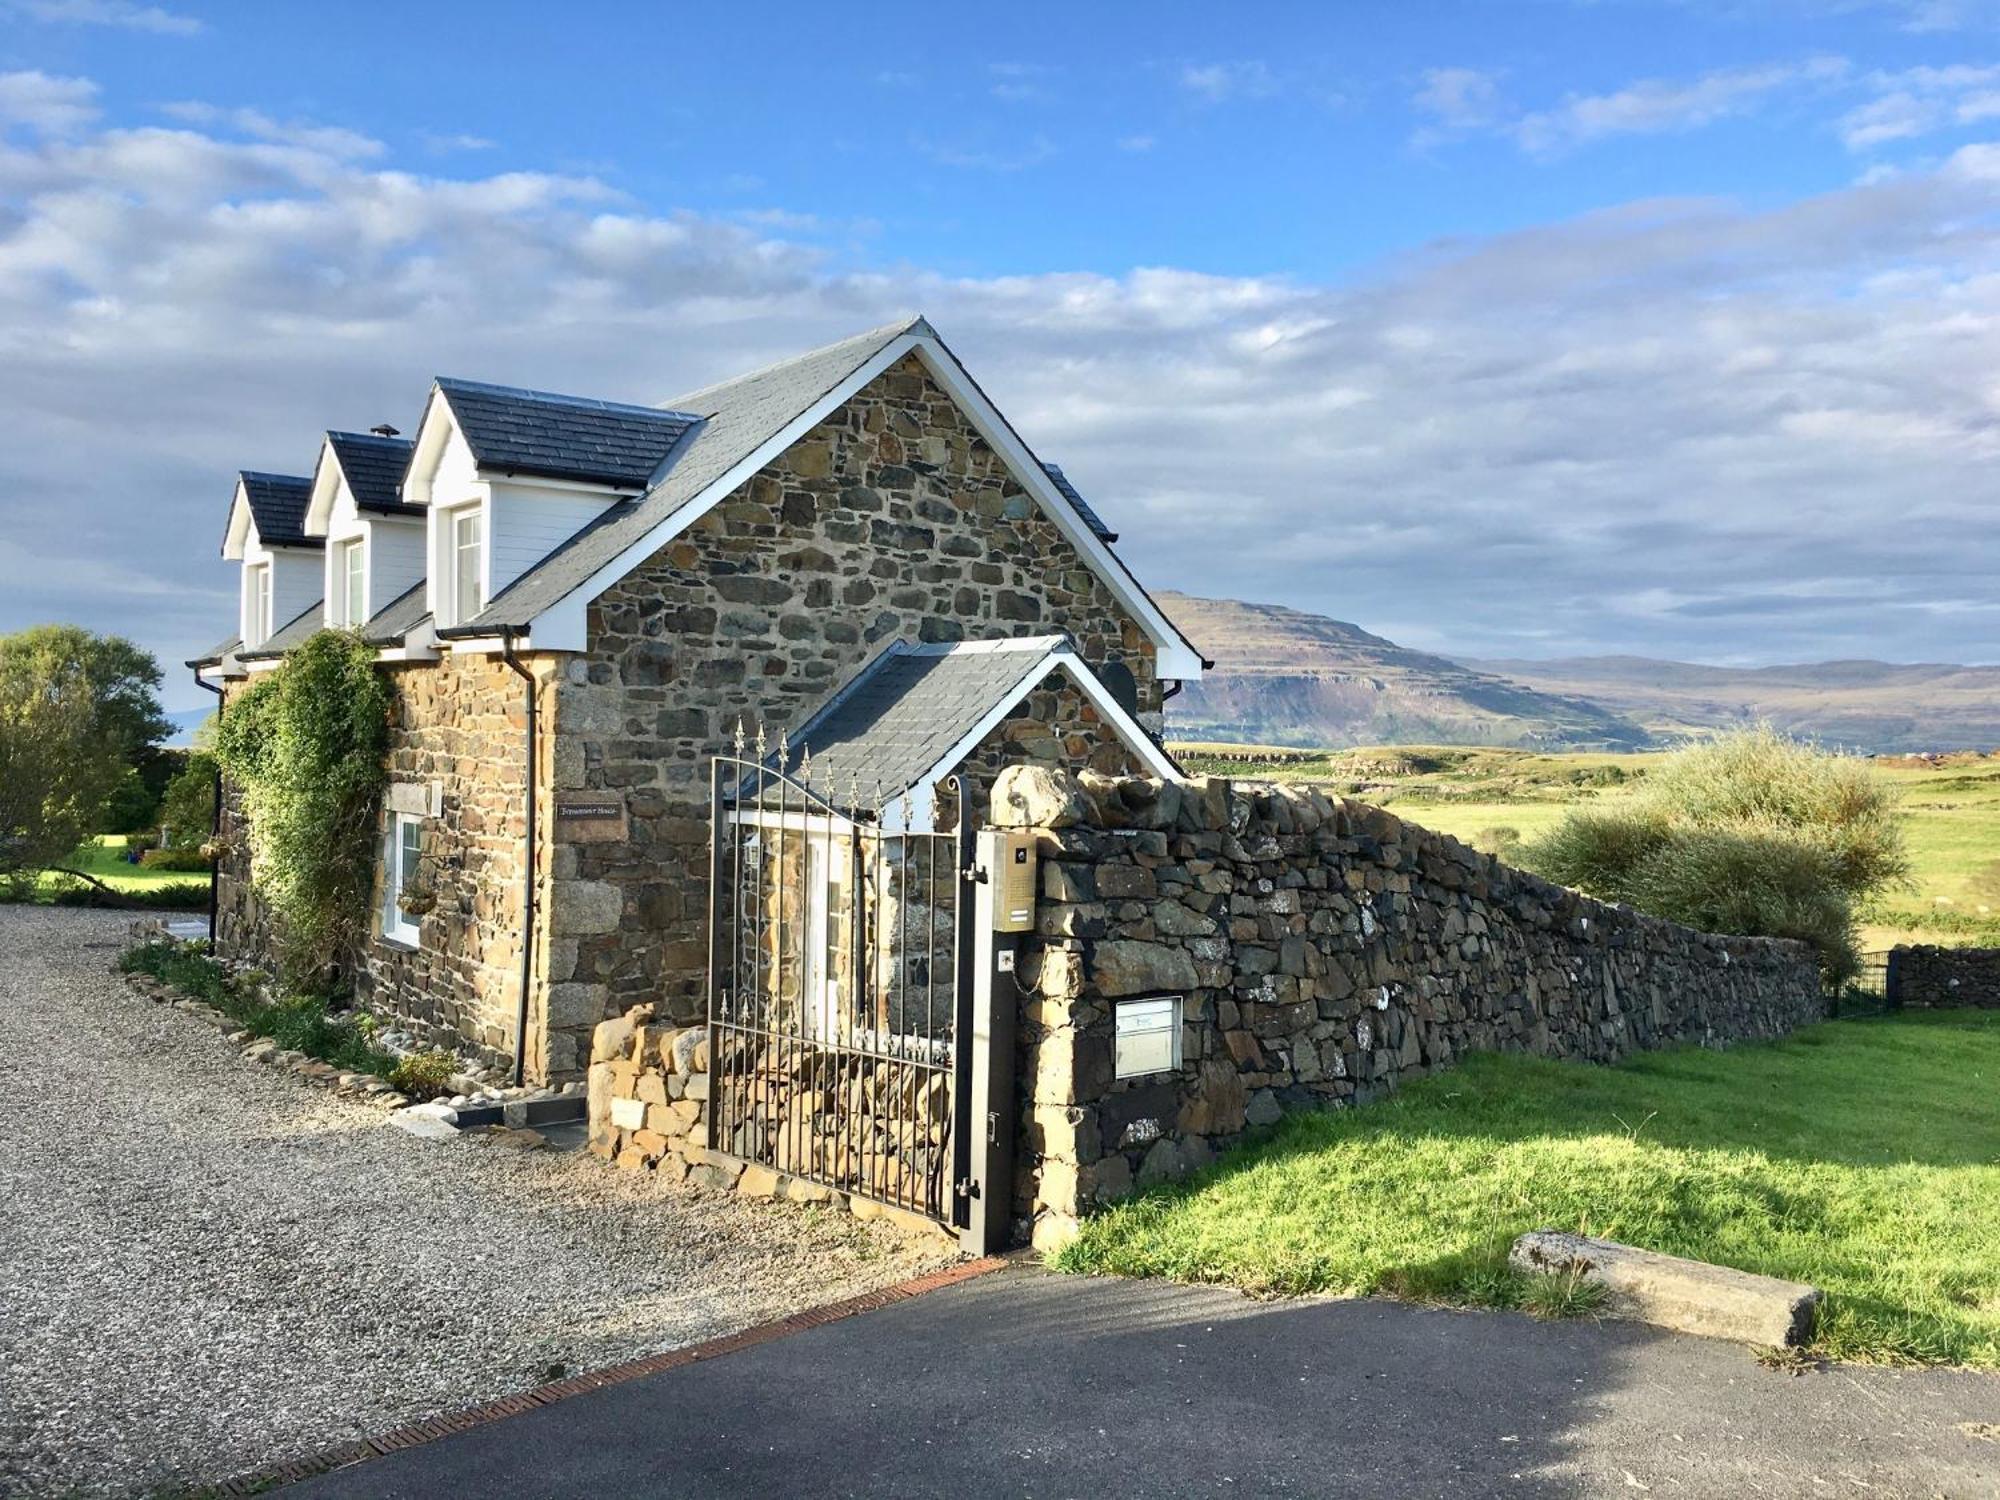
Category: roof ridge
<point>267,474</point>
<point>371,437</point>
<point>448,383</point>
<point>880,334</point>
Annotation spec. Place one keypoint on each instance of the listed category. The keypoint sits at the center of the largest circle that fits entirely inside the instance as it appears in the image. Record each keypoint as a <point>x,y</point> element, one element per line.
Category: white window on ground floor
<point>402,852</point>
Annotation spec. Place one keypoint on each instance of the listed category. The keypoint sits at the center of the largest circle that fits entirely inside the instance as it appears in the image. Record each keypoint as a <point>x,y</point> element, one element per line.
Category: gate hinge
<point>967,1187</point>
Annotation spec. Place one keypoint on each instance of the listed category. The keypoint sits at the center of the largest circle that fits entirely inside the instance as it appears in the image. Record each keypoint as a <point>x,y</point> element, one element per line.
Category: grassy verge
<point>1862,1156</point>
<point>301,1023</point>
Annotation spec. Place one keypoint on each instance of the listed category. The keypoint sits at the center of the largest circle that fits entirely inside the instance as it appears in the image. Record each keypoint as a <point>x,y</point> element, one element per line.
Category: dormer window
<point>468,588</point>
<point>354,582</point>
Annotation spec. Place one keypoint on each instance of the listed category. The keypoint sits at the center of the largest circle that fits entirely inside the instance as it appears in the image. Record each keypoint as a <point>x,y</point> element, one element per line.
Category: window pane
<point>466,596</point>
<point>357,584</point>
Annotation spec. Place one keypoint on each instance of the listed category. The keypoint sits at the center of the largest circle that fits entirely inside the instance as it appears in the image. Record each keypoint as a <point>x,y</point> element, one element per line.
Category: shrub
<point>424,1075</point>
<point>306,745</point>
<point>1750,833</point>
<point>1502,841</point>
<point>175,859</point>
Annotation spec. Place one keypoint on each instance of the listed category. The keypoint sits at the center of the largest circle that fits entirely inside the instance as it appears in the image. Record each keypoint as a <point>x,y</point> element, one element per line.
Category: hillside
<point>1284,677</point>
<point>1864,705</point>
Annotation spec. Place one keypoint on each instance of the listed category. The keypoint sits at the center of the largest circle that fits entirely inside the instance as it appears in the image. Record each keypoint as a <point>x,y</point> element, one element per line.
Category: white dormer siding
<point>391,556</point>
<point>484,530</point>
<point>529,520</point>
<point>279,583</point>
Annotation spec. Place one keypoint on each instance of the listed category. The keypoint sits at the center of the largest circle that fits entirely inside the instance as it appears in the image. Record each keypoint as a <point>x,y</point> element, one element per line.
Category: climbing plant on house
<point>305,746</point>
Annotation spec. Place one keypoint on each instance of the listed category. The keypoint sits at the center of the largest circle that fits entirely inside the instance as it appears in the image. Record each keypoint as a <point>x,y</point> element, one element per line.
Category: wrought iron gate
<point>835,1008</point>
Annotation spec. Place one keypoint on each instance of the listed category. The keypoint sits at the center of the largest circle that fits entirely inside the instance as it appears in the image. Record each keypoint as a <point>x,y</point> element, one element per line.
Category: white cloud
<point>1658,106</point>
<point>1137,143</point>
<point>1678,428</point>
<point>119,13</point>
<point>1459,98</point>
<point>444,145</point>
<point>1222,81</point>
<point>53,106</point>
<point>1009,156</point>
<point>1915,102</point>
<point>330,140</point>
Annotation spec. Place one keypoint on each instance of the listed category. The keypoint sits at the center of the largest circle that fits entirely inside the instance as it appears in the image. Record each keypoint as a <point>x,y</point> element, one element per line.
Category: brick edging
<point>430,1429</point>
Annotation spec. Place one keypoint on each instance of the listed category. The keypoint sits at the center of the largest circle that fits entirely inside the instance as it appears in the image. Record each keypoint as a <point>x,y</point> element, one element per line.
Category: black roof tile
<point>1090,517</point>
<point>373,466</point>
<point>278,507</point>
<point>563,437</point>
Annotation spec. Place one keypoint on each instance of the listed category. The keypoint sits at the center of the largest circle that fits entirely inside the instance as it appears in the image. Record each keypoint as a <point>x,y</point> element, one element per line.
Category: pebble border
<point>430,1429</point>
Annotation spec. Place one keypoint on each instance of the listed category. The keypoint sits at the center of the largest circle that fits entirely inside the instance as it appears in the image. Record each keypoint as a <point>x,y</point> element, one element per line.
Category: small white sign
<point>1147,1036</point>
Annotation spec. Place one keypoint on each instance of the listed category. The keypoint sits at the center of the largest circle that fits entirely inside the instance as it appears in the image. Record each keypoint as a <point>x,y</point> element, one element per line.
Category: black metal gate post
<point>990,1002</point>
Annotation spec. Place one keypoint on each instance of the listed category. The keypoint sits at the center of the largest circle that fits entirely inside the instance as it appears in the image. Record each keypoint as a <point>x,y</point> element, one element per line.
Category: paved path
<point>207,1265</point>
<point>1026,1384</point>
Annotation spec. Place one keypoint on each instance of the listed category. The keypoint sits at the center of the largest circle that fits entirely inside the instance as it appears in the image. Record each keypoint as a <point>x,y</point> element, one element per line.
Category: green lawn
<point>104,857</point>
<point>1862,1156</point>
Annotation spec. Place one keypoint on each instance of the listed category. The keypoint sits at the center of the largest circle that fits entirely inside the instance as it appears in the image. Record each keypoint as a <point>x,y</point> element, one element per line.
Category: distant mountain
<point>1285,677</point>
<point>1874,706</point>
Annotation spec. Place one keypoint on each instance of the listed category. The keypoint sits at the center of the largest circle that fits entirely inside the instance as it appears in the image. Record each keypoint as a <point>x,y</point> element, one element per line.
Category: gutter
<point>215,818</point>
<point>528,893</point>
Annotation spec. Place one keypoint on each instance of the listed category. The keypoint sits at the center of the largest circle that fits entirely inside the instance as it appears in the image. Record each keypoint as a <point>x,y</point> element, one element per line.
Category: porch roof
<point>916,711</point>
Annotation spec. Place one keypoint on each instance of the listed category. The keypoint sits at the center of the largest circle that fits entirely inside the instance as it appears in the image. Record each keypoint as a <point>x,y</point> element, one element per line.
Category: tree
<point>1751,833</point>
<point>188,808</point>
<point>76,711</point>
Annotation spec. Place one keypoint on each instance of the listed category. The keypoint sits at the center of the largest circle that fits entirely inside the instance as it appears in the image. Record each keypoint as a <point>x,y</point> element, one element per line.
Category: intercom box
<point>1014,883</point>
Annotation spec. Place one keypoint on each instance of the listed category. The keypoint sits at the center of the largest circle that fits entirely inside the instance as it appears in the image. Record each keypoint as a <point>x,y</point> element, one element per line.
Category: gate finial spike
<point>784,752</point>
<point>931,801</point>
<point>806,764</point>
<point>906,810</point>
<point>738,737</point>
<point>760,739</point>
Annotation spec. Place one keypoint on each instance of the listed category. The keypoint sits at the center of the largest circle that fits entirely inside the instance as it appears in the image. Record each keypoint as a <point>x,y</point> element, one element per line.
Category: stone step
<point>1689,1296</point>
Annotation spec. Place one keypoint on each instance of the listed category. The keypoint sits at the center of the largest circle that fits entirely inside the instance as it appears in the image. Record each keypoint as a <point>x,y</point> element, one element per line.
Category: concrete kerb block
<point>1689,1296</point>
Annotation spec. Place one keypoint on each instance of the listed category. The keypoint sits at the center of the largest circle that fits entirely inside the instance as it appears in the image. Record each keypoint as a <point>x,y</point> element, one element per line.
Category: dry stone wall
<point>1326,950</point>
<point>1926,977</point>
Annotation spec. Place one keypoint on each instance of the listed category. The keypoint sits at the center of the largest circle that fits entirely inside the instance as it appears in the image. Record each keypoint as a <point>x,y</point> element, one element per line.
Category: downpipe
<point>528,894</point>
<point>214,818</point>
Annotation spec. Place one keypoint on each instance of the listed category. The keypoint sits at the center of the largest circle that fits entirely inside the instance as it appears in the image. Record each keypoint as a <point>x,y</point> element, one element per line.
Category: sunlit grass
<point>1862,1156</point>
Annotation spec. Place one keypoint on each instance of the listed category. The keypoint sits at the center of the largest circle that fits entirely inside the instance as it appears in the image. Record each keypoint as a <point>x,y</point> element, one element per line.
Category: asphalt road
<point>1026,1384</point>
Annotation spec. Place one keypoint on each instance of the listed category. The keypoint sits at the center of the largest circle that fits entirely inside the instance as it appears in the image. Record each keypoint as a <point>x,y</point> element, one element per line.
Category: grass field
<point>104,858</point>
<point>1862,1156</point>
<point>1950,808</point>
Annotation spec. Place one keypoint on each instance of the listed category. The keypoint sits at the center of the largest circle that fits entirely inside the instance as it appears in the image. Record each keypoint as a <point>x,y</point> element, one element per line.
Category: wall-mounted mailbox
<point>1148,1038</point>
<point>1014,883</point>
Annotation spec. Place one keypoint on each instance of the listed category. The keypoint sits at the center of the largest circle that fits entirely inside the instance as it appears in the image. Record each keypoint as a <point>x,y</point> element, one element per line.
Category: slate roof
<point>1090,517</point>
<point>373,466</point>
<point>215,654</point>
<point>894,723</point>
<point>397,618</point>
<point>294,632</point>
<point>563,437</point>
<point>736,417</point>
<point>278,507</point>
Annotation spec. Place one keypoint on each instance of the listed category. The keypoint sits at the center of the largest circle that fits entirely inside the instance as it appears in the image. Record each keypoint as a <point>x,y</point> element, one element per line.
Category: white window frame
<point>453,520</point>
<point>257,586</point>
<point>353,571</point>
<point>399,863</point>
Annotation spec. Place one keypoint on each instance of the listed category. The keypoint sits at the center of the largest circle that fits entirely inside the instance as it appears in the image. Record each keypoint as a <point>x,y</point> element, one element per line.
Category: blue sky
<point>1503,329</point>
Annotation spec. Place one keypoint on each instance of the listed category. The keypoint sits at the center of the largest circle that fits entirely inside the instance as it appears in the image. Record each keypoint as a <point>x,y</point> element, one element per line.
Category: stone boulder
<point>1037,797</point>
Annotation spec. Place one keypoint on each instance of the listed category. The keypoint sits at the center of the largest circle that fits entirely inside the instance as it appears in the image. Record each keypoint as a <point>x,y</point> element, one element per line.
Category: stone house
<point>848,567</point>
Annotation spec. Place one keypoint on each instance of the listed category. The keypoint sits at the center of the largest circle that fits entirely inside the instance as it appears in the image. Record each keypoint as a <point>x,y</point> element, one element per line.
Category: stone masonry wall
<point>459,723</point>
<point>1325,950</point>
<point>1923,977</point>
<point>892,519</point>
<point>462,723</point>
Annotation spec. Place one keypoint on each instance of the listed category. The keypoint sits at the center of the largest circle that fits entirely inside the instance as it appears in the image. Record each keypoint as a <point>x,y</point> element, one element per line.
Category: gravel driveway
<point>206,1265</point>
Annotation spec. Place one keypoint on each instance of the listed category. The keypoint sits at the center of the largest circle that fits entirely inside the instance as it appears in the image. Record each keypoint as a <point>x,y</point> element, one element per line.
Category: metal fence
<point>834,994</point>
<point>1871,991</point>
